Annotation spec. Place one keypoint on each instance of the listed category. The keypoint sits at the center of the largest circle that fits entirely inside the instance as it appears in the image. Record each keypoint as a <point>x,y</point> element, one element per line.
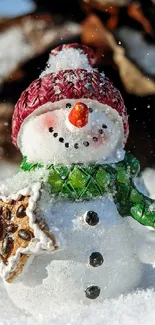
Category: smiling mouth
<point>76,145</point>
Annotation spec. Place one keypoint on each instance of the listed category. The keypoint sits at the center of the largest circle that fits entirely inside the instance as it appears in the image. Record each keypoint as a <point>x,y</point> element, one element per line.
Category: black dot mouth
<point>86,143</point>
<point>61,140</point>
<point>76,145</point>
<point>51,129</point>
<point>100,131</point>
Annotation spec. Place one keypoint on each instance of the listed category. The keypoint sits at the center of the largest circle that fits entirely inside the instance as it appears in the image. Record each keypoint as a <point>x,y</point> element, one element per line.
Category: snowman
<point>71,217</point>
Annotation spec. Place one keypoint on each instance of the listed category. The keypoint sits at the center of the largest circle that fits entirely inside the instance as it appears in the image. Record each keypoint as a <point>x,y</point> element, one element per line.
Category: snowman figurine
<point>65,225</point>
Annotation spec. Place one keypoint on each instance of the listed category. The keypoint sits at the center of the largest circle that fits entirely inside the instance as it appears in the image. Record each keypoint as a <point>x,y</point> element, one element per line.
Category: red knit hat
<point>58,82</point>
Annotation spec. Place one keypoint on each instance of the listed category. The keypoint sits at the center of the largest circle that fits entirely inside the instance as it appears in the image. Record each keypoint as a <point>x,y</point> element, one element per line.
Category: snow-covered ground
<point>133,309</point>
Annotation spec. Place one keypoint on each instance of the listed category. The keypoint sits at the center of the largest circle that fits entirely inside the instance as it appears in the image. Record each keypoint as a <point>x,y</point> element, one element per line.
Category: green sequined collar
<point>79,181</point>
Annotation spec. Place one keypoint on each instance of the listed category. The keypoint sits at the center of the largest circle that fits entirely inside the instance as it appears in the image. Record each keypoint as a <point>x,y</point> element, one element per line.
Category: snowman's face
<point>72,131</point>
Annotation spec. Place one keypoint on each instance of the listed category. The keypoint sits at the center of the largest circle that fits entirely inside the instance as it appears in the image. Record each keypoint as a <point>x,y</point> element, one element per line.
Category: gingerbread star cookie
<point>22,232</point>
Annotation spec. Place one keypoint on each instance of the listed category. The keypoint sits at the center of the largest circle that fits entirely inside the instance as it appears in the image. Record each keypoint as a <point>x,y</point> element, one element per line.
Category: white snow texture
<point>132,309</point>
<point>67,59</point>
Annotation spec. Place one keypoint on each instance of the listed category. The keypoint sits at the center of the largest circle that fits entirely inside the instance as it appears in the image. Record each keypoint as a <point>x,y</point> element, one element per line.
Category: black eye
<point>90,110</point>
<point>68,105</point>
<point>104,126</point>
<point>50,129</point>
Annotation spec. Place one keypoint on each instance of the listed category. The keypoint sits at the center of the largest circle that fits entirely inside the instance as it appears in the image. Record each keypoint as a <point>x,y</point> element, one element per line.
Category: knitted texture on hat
<point>68,84</point>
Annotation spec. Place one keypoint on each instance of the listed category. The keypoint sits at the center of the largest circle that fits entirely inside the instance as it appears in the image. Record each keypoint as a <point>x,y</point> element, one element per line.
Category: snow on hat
<point>69,75</point>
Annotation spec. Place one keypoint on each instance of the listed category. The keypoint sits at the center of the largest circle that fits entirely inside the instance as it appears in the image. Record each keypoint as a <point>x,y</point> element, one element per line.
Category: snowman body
<point>71,116</point>
<point>96,261</point>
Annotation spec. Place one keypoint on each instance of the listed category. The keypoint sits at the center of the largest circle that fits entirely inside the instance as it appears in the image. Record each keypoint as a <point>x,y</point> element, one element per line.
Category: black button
<point>92,292</point>
<point>96,259</point>
<point>92,218</point>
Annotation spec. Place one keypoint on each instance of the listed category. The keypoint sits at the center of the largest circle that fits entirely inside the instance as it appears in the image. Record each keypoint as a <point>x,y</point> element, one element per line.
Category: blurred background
<point>122,33</point>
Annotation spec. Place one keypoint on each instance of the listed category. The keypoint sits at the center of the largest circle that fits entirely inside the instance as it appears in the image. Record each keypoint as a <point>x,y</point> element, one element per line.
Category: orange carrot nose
<point>78,115</point>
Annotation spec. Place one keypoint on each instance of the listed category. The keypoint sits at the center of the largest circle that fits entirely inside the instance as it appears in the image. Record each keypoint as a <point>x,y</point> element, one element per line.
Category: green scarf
<point>85,182</point>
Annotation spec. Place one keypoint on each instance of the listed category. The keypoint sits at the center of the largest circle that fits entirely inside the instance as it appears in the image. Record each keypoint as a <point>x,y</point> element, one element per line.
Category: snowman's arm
<point>131,202</point>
